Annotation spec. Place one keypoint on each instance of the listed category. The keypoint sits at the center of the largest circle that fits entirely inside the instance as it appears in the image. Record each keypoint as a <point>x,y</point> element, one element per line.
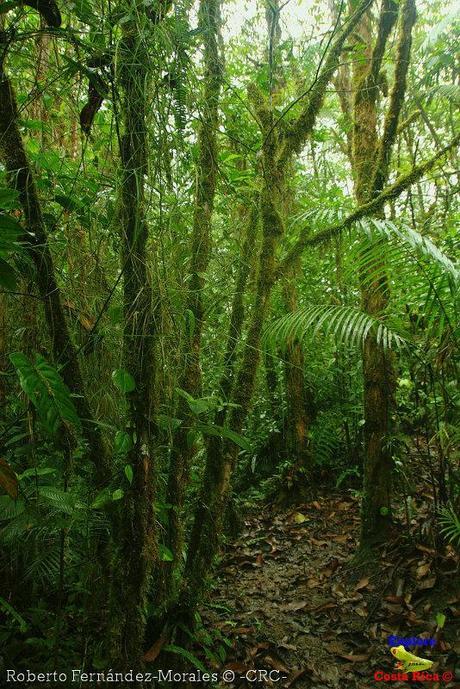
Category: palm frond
<point>348,325</point>
<point>450,522</point>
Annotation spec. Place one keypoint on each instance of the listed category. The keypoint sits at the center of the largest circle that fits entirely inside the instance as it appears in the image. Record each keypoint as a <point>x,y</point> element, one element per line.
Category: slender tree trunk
<point>138,538</point>
<point>182,450</point>
<point>215,444</point>
<point>222,460</point>
<point>21,178</point>
<point>298,397</point>
<point>278,148</point>
<point>370,160</point>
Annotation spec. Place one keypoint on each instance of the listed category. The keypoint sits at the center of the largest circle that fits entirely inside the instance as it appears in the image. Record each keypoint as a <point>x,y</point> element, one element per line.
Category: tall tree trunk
<point>298,397</point>
<point>138,538</point>
<point>278,148</point>
<point>182,450</point>
<point>370,161</point>
<point>14,157</point>
<point>215,444</point>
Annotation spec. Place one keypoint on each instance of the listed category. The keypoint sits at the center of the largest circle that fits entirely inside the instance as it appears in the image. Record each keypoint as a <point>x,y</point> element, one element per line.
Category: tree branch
<point>392,192</point>
<point>390,128</point>
<point>298,132</point>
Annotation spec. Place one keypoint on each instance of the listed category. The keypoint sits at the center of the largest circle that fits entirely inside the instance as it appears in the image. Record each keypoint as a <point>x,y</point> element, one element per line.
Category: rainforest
<point>229,343</point>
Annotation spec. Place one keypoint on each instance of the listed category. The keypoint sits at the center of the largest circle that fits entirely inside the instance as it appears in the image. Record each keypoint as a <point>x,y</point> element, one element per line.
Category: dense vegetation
<point>228,278</point>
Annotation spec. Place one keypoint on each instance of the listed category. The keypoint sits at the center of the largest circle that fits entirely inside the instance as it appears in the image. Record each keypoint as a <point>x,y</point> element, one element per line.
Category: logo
<point>408,662</point>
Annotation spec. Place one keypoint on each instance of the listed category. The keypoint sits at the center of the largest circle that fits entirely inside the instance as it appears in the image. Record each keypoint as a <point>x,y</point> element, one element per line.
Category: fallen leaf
<point>423,569</point>
<point>300,518</point>
<point>362,584</point>
<point>360,658</point>
<point>427,583</point>
<point>294,605</point>
<point>275,663</point>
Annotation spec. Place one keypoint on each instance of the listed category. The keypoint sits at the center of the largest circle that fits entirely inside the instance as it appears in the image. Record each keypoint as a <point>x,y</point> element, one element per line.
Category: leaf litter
<point>298,605</point>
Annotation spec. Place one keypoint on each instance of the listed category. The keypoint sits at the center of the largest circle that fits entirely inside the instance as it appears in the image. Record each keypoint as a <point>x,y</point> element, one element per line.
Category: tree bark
<point>21,178</point>
<point>138,538</point>
<point>183,450</point>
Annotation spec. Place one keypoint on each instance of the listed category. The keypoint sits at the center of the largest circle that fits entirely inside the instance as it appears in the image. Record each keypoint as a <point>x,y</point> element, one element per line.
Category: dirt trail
<point>286,601</point>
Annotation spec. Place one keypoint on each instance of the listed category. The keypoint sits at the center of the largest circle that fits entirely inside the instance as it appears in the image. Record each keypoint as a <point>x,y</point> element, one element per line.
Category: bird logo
<point>408,662</point>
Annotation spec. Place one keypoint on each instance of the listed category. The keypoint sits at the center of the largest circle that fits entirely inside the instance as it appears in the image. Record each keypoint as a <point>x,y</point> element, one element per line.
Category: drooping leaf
<point>224,432</point>
<point>165,553</point>
<point>47,391</point>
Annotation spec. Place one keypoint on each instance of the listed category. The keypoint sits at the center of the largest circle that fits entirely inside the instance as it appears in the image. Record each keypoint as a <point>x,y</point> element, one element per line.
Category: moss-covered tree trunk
<point>221,463</point>
<point>182,450</point>
<point>370,160</point>
<point>13,156</point>
<point>298,399</point>
<point>138,542</point>
<point>279,145</point>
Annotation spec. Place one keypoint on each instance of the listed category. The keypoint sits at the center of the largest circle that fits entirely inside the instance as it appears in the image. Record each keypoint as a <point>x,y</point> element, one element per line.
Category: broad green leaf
<point>9,198</point>
<point>7,275</point>
<point>47,391</point>
<point>224,432</point>
<point>123,442</point>
<point>165,553</point>
<point>129,473</point>
<point>123,380</point>
<point>440,619</point>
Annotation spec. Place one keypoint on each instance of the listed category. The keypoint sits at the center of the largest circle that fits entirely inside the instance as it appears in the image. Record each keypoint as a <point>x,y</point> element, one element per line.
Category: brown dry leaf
<point>242,630</point>
<point>424,549</point>
<point>361,611</point>
<point>343,538</point>
<point>257,648</point>
<point>275,663</point>
<point>362,584</point>
<point>294,605</point>
<point>287,647</point>
<point>324,606</point>
<point>423,569</point>
<point>316,542</point>
<point>8,479</point>
<point>359,658</point>
<point>318,507</point>
<point>237,667</point>
<point>427,583</point>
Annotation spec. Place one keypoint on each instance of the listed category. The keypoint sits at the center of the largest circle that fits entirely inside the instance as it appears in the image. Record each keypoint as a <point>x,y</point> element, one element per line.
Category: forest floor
<point>289,599</point>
